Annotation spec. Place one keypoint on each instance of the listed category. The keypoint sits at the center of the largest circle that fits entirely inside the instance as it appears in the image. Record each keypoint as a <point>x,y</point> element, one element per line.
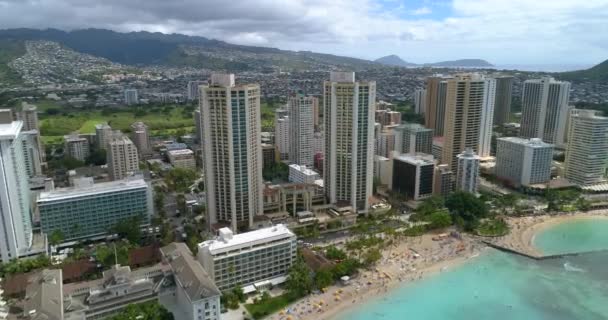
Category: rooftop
<point>534,142</point>
<point>94,189</point>
<point>227,240</point>
<point>416,159</point>
<point>43,298</point>
<point>10,130</point>
<point>180,152</point>
<point>303,169</point>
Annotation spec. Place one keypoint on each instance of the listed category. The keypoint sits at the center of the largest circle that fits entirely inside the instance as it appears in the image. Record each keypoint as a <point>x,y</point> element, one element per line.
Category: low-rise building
<point>89,211</point>
<point>413,176</point>
<point>183,158</point>
<point>302,174</point>
<point>76,147</point>
<point>467,175</point>
<point>523,161</point>
<point>252,260</point>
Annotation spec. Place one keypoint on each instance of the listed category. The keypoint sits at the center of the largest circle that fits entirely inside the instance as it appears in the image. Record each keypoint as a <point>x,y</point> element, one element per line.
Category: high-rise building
<point>523,161</point>
<point>232,151</point>
<point>467,176</point>
<point>587,151</point>
<point>420,101</point>
<point>301,129</point>
<point>545,110</point>
<point>316,112</point>
<point>468,120</point>
<point>29,116</point>
<point>89,211</point>
<point>281,133</point>
<point>183,158</point>
<point>349,108</point>
<point>387,117</point>
<point>31,153</point>
<point>434,111</point>
<point>487,117</point>
<point>444,180</point>
<point>131,97</point>
<point>122,157</point>
<point>103,135</point>
<point>413,138</point>
<point>502,104</point>
<point>413,175</point>
<point>385,140</point>
<point>318,143</point>
<point>141,138</point>
<point>193,89</point>
<point>302,174</point>
<point>198,123</point>
<point>76,147</point>
<point>16,223</point>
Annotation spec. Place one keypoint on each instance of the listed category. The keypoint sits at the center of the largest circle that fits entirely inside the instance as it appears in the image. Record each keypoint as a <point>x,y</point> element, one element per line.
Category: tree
<point>440,219</point>
<point>430,205</point>
<point>97,157</point>
<point>128,229</point>
<point>372,256</point>
<point>180,179</point>
<point>151,310</point>
<point>323,279</point>
<point>334,253</point>
<point>467,209</point>
<point>582,204</point>
<point>105,254</point>
<point>56,237</point>
<point>299,281</point>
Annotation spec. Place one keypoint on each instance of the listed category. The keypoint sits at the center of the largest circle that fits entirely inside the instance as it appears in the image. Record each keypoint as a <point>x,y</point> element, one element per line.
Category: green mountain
<point>597,73</point>
<point>146,48</point>
<point>9,50</point>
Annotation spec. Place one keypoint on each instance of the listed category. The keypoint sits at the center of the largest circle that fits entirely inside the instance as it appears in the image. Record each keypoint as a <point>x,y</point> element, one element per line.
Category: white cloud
<point>501,31</point>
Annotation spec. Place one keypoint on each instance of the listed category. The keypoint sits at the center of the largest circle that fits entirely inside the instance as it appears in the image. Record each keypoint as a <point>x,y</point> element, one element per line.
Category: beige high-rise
<point>587,151</point>
<point>122,157</point>
<point>468,116</point>
<point>434,109</point>
<point>141,138</point>
<point>232,151</point>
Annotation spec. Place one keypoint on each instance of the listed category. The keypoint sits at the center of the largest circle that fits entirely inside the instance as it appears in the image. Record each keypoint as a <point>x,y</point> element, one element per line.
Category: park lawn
<point>47,140</point>
<point>89,125</point>
<point>261,309</point>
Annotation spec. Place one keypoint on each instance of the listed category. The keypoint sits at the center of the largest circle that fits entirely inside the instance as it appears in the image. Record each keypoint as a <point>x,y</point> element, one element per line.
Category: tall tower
<point>103,135</point>
<point>467,176</point>
<point>434,110</point>
<point>420,101</point>
<point>349,108</point>
<point>413,138</point>
<point>545,110</point>
<point>468,119</point>
<point>281,133</point>
<point>587,151</point>
<point>502,105</point>
<point>232,151</point>
<point>16,223</point>
<point>131,97</point>
<point>301,129</point>
<point>141,138</point>
<point>122,157</point>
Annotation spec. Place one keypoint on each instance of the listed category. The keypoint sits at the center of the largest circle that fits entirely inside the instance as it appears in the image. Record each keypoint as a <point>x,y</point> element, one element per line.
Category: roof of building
<point>534,142</point>
<point>413,126</point>
<point>191,276</point>
<point>95,189</point>
<point>10,130</point>
<point>180,152</point>
<point>230,241</point>
<point>416,159</point>
<point>303,169</point>
<point>44,296</point>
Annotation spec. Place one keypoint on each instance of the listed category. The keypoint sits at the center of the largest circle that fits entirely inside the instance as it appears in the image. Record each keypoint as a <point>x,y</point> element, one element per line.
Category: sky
<point>513,32</point>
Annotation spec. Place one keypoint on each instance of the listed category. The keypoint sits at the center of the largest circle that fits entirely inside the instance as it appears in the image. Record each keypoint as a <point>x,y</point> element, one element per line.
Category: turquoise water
<point>576,236</point>
<point>499,286</point>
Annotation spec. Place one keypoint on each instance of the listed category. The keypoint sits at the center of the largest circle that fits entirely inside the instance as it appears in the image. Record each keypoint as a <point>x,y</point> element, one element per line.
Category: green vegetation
<point>467,209</point>
<point>56,237</point>
<point>597,73</point>
<point>268,305</point>
<point>278,171</point>
<point>565,200</point>
<point>24,265</point>
<point>492,228</point>
<point>180,179</point>
<point>9,51</point>
<point>97,157</point>
<point>231,299</point>
<point>128,229</point>
<point>105,254</point>
<point>408,114</point>
<point>151,310</point>
<point>268,114</point>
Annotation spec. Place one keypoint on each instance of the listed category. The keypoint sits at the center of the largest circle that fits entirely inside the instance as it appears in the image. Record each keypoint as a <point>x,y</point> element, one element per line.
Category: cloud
<point>422,11</point>
<point>501,31</point>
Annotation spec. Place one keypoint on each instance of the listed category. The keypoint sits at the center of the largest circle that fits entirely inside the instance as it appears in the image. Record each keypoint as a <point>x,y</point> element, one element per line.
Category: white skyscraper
<point>131,97</point>
<point>281,133</point>
<point>487,118</point>
<point>76,147</point>
<point>587,151</point>
<point>419,101</point>
<point>467,176</point>
<point>16,223</point>
<point>523,161</point>
<point>349,108</point>
<point>232,151</point>
<point>123,159</point>
<point>301,129</point>
<point>192,90</point>
<point>545,110</point>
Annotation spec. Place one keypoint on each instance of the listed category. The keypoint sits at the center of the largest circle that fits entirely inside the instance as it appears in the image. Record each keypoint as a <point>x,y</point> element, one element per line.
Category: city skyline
<point>420,31</point>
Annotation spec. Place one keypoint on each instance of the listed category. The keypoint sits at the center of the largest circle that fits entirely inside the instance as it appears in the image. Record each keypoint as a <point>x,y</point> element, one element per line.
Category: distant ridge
<point>394,60</point>
<point>597,73</point>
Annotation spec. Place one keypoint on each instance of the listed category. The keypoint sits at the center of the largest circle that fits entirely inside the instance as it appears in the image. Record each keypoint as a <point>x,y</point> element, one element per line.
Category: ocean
<point>501,286</point>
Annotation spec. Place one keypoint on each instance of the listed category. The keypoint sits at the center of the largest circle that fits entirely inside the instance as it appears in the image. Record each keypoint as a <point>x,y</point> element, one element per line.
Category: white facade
<point>141,138</point>
<point>349,109</point>
<point>523,161</point>
<point>413,138</point>
<point>16,223</point>
<point>103,135</point>
<point>419,101</point>
<point>587,151</point>
<point>302,174</point>
<point>123,159</point>
<point>183,158</point>
<point>318,143</point>
<point>232,152</point>
<point>193,89</point>
<point>467,177</point>
<point>545,110</point>
<point>281,133</point>
<point>31,152</point>
<point>249,258</point>
<point>301,129</point>
<point>131,97</point>
<point>487,118</point>
<point>76,147</point>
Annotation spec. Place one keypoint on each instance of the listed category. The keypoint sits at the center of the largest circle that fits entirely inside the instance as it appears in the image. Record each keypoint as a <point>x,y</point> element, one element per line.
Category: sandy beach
<point>413,259</point>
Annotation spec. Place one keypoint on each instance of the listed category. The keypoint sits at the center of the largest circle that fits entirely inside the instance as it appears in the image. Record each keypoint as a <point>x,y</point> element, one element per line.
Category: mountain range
<point>394,60</point>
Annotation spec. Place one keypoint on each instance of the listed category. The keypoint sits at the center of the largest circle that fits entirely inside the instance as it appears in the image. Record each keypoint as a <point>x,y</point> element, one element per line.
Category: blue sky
<point>522,32</point>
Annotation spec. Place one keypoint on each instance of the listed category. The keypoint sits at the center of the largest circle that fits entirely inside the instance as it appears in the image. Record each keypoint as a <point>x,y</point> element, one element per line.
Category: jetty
<point>538,257</point>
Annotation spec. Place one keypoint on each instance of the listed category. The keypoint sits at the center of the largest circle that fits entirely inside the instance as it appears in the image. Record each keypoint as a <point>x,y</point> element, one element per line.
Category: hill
<point>9,51</point>
<point>597,73</point>
<point>394,60</point>
<point>146,48</point>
